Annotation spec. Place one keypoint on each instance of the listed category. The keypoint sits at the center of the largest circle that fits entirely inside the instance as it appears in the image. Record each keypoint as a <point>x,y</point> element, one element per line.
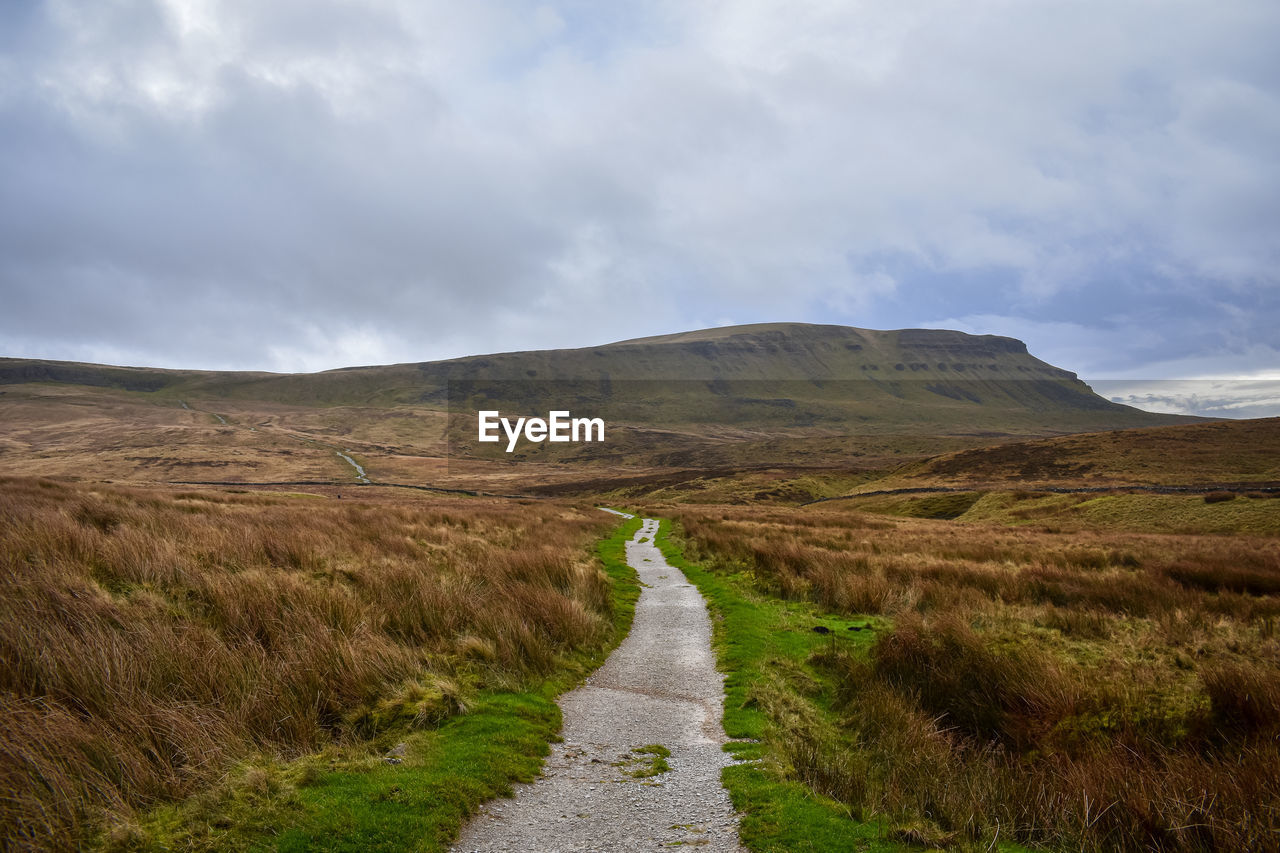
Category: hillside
<point>1221,453</point>
<point>742,396</point>
<point>779,374</point>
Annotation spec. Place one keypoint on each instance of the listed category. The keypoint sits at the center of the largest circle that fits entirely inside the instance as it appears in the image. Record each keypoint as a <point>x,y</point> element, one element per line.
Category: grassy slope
<point>73,431</point>
<point>353,800</point>
<point>1022,483</point>
<point>1195,454</point>
<point>1150,513</point>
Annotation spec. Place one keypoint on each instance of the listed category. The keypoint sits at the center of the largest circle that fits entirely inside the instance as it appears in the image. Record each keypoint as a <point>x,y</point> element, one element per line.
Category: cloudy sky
<point>304,184</point>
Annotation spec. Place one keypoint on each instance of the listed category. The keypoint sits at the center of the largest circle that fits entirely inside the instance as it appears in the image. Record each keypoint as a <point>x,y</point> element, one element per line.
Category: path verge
<point>780,712</point>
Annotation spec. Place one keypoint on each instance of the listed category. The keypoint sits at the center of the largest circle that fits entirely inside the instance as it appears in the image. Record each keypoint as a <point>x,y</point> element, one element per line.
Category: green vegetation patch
<point>778,815</point>
<point>1215,512</point>
<point>1183,514</point>
<point>945,505</point>
<point>414,795</point>
<point>421,803</point>
<point>644,762</point>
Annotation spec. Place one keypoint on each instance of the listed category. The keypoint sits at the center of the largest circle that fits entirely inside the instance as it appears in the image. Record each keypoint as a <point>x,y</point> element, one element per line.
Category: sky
<point>306,184</point>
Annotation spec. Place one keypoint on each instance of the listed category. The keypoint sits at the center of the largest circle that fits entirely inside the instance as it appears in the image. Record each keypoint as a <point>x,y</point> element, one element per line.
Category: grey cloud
<point>300,184</point>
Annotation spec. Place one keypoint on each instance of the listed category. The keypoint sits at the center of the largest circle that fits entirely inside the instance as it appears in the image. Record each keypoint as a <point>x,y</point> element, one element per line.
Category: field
<point>154,639</point>
<point>1092,689</point>
<point>997,668</point>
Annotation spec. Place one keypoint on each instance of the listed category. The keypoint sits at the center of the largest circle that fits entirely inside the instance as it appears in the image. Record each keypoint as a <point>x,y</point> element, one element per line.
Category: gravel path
<point>659,687</point>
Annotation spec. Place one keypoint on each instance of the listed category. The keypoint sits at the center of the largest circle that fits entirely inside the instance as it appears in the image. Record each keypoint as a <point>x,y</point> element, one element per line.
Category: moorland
<point>962,601</point>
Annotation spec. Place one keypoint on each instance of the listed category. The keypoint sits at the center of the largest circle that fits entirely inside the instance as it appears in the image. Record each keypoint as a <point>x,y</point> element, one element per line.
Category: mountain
<point>779,393</point>
<point>895,376</point>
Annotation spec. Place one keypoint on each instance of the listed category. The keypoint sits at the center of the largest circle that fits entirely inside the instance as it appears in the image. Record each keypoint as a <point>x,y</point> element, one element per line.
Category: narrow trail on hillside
<point>360,474</point>
<point>660,687</point>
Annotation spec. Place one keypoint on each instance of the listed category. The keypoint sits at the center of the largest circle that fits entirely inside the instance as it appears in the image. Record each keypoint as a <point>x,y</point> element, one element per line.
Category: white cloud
<point>1221,398</point>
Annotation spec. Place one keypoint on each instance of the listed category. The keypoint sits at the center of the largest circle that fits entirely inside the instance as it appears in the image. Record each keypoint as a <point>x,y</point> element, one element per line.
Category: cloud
<point>1224,398</point>
<point>295,184</point>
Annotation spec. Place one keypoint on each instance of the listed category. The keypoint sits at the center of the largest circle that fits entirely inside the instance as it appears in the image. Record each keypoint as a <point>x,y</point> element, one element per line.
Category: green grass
<point>946,505</point>
<point>780,816</point>
<point>401,790</point>
<point>367,803</point>
<point>644,762</point>
<point>421,804</point>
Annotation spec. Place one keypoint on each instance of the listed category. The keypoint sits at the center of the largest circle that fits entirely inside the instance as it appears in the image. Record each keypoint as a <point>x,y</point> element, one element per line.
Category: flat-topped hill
<point>732,397</point>
<point>787,373</point>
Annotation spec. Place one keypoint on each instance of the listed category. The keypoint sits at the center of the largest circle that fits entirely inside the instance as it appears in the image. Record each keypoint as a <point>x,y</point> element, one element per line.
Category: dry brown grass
<point>1091,690</point>
<point>1243,451</point>
<point>104,434</point>
<point>149,637</point>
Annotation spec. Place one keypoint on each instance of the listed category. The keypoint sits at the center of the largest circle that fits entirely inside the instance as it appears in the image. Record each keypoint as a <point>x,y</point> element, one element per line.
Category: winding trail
<point>360,474</point>
<point>659,687</point>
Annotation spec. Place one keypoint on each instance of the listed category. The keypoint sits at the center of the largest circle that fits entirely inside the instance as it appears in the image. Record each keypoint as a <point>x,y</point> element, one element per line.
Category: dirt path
<point>659,687</point>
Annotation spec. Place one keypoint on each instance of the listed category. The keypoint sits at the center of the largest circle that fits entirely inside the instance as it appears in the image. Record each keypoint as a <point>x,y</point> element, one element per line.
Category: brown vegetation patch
<point>1087,690</point>
<point>150,637</point>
